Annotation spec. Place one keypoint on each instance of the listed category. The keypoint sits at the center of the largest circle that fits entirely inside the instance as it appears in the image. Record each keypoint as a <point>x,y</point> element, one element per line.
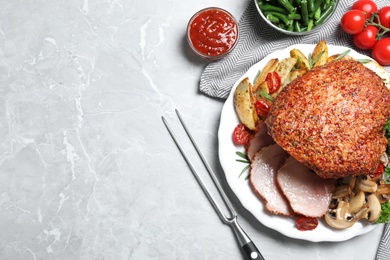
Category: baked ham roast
<point>331,119</point>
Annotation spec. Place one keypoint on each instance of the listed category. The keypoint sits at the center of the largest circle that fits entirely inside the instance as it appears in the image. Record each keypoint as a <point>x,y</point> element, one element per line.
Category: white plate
<point>241,187</point>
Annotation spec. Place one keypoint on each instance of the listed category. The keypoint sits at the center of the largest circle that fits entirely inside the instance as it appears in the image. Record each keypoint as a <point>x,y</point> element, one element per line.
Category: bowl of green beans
<point>296,17</point>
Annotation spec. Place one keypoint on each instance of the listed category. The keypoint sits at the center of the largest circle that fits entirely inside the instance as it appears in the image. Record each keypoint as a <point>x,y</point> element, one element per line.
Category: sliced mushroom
<point>341,191</point>
<point>357,198</point>
<point>383,198</point>
<point>374,208</point>
<point>383,188</point>
<point>333,203</point>
<point>342,218</point>
<point>383,192</point>
<point>357,201</point>
<point>384,159</point>
<point>351,181</point>
<point>366,185</point>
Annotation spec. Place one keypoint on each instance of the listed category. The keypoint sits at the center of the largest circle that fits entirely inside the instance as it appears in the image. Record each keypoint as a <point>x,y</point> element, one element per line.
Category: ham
<point>264,167</point>
<point>259,140</point>
<point>307,193</point>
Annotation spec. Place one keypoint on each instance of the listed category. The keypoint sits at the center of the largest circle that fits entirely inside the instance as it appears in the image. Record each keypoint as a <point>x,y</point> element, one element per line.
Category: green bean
<point>269,7</point>
<point>317,4</point>
<point>297,27</point>
<point>310,25</point>
<point>317,14</point>
<point>294,16</point>
<point>325,14</point>
<point>290,27</point>
<point>310,5</point>
<point>282,17</point>
<point>286,4</point>
<point>272,18</point>
<point>326,5</point>
<point>305,13</point>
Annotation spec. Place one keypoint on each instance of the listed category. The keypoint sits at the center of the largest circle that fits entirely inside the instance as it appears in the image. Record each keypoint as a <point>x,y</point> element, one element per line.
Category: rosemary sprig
<point>243,160</point>
<point>244,170</point>
<point>313,62</point>
<point>298,63</point>
<point>364,60</point>
<point>342,54</point>
<point>266,95</point>
<point>257,75</point>
<point>243,156</point>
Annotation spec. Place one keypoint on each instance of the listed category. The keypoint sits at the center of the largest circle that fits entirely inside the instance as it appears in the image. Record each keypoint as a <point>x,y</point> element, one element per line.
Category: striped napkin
<point>384,245</point>
<point>257,39</point>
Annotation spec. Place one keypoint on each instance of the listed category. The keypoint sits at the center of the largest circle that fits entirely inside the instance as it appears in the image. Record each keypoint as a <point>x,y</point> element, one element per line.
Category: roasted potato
<point>244,104</point>
<point>301,59</point>
<point>269,67</point>
<point>321,47</point>
<point>380,71</point>
<point>263,87</point>
<point>296,73</point>
<point>284,67</point>
<point>332,58</point>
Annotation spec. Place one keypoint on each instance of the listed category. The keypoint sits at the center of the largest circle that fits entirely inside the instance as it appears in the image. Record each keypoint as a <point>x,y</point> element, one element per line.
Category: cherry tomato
<point>381,51</point>
<point>384,16</point>
<point>240,134</point>
<point>306,223</point>
<point>262,107</point>
<point>366,39</point>
<point>353,21</point>
<point>366,6</point>
<point>379,171</point>
<point>274,82</point>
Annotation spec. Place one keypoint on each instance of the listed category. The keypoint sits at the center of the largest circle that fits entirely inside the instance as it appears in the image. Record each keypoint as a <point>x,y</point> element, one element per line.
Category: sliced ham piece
<point>264,167</point>
<point>259,140</point>
<point>308,194</point>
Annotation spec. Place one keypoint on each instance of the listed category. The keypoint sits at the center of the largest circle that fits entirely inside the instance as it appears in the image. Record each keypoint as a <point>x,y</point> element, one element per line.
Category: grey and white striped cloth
<point>257,39</point>
<point>384,245</point>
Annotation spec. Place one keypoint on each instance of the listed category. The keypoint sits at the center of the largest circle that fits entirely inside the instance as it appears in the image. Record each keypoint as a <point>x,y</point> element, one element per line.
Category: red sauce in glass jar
<point>212,33</point>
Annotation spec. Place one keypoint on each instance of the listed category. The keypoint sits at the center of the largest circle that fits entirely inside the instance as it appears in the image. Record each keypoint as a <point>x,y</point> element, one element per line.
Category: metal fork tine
<point>197,176</point>
<point>246,243</point>
<point>207,165</point>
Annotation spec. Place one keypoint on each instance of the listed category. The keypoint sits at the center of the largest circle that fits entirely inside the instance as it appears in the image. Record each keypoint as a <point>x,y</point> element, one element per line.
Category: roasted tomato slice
<point>379,171</point>
<point>306,223</point>
<point>274,82</point>
<point>262,108</point>
<point>241,134</point>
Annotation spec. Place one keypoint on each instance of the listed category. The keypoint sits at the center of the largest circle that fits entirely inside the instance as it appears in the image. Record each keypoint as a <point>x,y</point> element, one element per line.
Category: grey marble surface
<point>87,169</point>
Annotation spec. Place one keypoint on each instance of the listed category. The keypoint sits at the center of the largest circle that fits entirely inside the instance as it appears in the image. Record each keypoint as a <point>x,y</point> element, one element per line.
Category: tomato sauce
<point>212,32</point>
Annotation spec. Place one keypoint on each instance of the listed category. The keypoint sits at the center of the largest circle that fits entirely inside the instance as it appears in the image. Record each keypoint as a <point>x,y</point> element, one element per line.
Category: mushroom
<point>374,208</point>
<point>366,184</point>
<point>342,217</point>
<point>356,198</point>
<point>351,181</point>
<point>383,192</point>
<point>357,201</point>
<point>341,191</point>
<point>384,159</point>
